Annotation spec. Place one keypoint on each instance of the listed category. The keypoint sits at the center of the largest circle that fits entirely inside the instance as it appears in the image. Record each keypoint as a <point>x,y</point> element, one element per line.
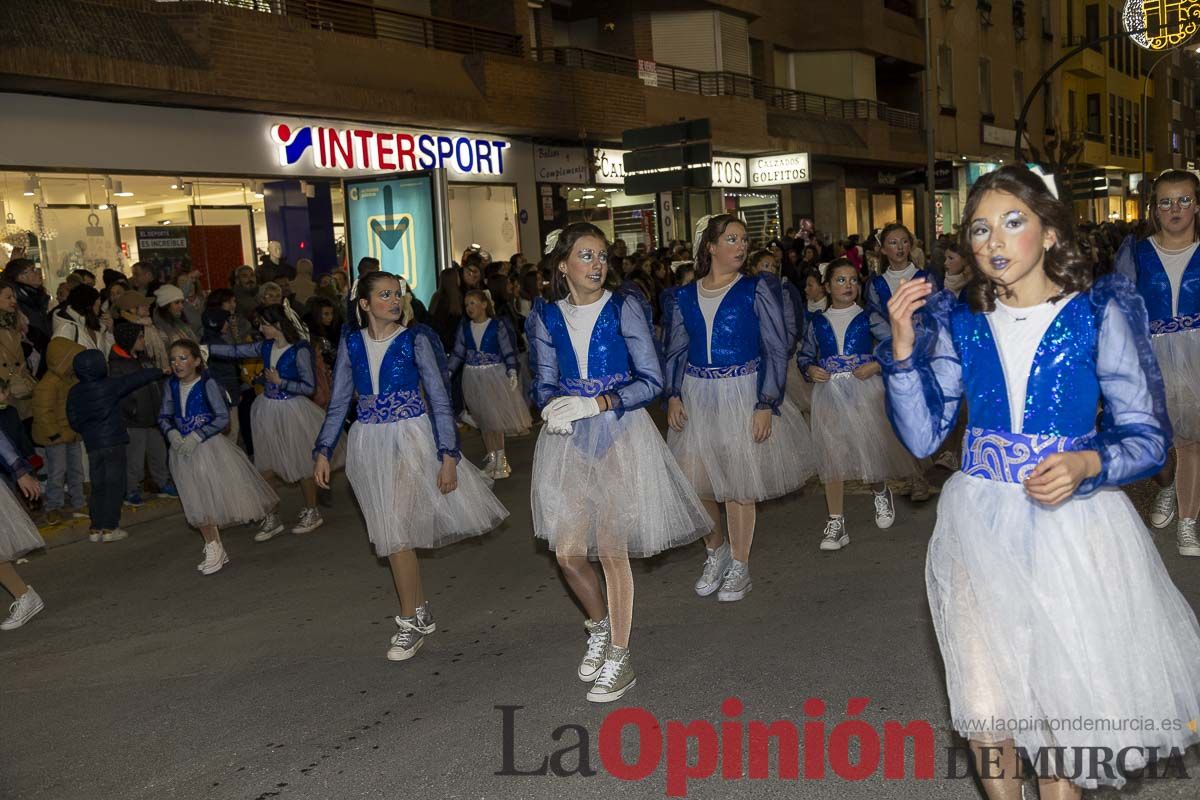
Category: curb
<point>72,531</point>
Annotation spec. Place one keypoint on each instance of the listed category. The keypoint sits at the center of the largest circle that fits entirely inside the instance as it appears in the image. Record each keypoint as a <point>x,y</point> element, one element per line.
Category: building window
<point>1137,129</point>
<point>985,86</point>
<point>1018,92</point>
<point>1093,115</point>
<point>1049,121</point>
<point>1114,45</point>
<point>1112,123</point>
<point>1072,122</point>
<point>1175,142</point>
<point>1175,90</point>
<point>1091,25</point>
<point>945,77</point>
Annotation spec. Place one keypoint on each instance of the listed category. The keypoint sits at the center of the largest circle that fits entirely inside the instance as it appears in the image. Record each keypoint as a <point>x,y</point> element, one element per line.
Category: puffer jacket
<point>94,404</point>
<point>139,409</point>
<point>50,425</point>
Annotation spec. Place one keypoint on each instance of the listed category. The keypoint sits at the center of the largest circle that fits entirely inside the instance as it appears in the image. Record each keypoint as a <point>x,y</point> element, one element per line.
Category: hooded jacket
<point>94,404</point>
<point>50,425</point>
<point>139,409</point>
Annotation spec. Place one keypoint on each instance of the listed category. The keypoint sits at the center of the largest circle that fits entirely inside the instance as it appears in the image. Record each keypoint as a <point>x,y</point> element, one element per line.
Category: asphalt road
<point>143,679</point>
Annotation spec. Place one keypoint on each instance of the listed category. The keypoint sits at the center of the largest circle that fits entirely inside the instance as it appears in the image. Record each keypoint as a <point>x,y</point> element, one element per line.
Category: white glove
<point>513,382</point>
<point>560,428</point>
<point>189,444</point>
<point>570,409</point>
<point>174,437</point>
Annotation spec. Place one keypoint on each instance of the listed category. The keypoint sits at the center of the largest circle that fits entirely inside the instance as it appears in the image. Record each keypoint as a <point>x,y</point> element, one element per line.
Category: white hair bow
<point>551,240</point>
<point>1047,179</point>
<point>701,226</point>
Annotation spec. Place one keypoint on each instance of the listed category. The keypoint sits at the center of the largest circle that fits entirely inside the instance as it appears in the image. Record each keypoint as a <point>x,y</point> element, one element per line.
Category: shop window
<point>484,215</point>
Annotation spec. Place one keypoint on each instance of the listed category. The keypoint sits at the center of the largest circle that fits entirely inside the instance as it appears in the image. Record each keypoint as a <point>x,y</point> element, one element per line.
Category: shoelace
<point>736,573</point>
<point>1164,502</point>
<point>609,673</point>
<point>408,632</point>
<point>833,529</point>
<point>1188,537</point>
<point>711,564</point>
<point>882,506</point>
<point>596,645</point>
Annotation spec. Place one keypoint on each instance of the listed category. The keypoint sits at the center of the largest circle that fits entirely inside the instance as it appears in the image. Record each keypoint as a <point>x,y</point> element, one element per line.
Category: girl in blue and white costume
<point>814,301</point>
<point>283,418</point>
<point>217,484</point>
<point>735,434</point>
<point>1166,269</point>
<point>896,246</point>
<point>850,428</point>
<point>1049,599</point>
<point>491,386</point>
<point>604,483</point>
<point>403,462</point>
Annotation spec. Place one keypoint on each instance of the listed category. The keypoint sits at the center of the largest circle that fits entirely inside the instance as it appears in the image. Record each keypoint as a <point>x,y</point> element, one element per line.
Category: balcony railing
<point>359,18</point>
<point>712,84</point>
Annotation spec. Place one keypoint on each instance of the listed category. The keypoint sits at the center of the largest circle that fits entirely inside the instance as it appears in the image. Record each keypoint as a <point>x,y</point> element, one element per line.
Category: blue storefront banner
<point>392,219</point>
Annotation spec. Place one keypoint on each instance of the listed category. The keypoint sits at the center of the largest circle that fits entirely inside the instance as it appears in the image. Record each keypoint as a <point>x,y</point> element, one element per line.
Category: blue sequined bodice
<point>397,373</point>
<point>1063,392</point>
<point>857,341</point>
<point>198,412</point>
<point>1154,285</point>
<point>735,333</point>
<point>286,367</point>
<point>607,354</point>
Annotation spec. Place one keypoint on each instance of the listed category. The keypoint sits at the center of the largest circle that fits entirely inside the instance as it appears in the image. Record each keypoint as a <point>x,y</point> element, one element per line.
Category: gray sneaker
<point>1164,508</point>
<point>269,528</point>
<point>23,610</point>
<point>310,520</point>
<point>412,633</point>
<point>835,537</point>
<point>1186,538</point>
<point>599,638</point>
<point>616,677</point>
<point>736,584</point>
<point>715,567</point>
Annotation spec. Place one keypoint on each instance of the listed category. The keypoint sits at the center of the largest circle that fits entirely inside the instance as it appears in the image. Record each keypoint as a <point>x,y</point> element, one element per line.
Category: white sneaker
<point>269,528</point>
<point>1163,510</point>
<point>310,520</point>
<point>885,509</point>
<point>95,537</point>
<point>24,609</point>
<point>715,567</point>
<point>599,638</point>
<point>115,535</point>
<point>411,636</point>
<point>1186,539</point>
<point>214,558</point>
<point>835,536</point>
<point>736,584</point>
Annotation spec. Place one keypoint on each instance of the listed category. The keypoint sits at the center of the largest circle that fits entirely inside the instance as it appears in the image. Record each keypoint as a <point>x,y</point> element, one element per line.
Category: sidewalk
<point>76,530</point>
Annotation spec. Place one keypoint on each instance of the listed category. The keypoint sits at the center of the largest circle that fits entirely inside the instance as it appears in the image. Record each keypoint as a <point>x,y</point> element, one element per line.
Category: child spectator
<point>52,431</point>
<point>139,412</point>
<point>94,409</point>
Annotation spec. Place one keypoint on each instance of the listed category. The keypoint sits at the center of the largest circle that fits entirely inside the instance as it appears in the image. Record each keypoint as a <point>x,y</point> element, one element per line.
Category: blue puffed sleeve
<point>773,341</point>
<point>435,380</point>
<point>543,358</point>
<point>793,305</point>
<point>676,357</point>
<point>11,459</point>
<point>220,409</point>
<point>340,397</point>
<point>924,391</point>
<point>1125,261</point>
<point>308,374</point>
<point>1134,434</point>
<point>808,352</point>
<point>166,411</point>
<point>881,329</point>
<point>643,356</point>
<point>235,351</point>
<point>666,305</point>
<point>459,355</point>
<point>507,338</point>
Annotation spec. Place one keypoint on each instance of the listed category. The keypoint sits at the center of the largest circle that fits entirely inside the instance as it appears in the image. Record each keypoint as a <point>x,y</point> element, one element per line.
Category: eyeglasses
<point>1165,203</point>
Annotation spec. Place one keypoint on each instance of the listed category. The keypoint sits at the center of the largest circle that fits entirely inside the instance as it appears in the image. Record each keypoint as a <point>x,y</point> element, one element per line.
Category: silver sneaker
<point>310,520</point>
<point>489,464</point>
<point>616,677</point>
<point>885,509</point>
<point>835,536</point>
<point>24,609</point>
<point>412,633</point>
<point>1186,538</point>
<point>1163,510</point>
<point>715,566</point>
<point>269,528</point>
<point>501,468</point>
<point>736,584</point>
<point>599,638</point>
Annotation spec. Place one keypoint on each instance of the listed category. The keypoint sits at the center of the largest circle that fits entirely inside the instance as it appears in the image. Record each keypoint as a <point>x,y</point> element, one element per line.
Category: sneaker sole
<point>609,697</point>
<point>590,678</point>
<point>882,526</point>
<point>706,591</point>
<point>216,569</point>
<point>1164,523</point>
<point>300,531</point>
<point>733,597</point>
<point>1190,552</point>
<point>266,537</point>
<point>12,627</point>
<point>830,547</point>
<point>404,655</point>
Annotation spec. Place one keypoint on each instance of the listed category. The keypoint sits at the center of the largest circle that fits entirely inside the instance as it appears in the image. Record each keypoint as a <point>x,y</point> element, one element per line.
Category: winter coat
<point>69,324</point>
<point>94,403</point>
<point>50,424</point>
<point>14,369</point>
<point>139,409</point>
<point>35,305</point>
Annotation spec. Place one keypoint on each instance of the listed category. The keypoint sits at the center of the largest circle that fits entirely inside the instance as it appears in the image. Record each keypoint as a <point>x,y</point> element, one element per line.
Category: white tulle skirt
<point>219,486</point>
<point>612,488</point>
<point>284,433</point>
<point>1048,615</point>
<point>717,451</point>
<point>1179,359</point>
<point>393,469</point>
<point>18,534</point>
<point>799,391</point>
<point>496,407</point>
<point>854,439</point>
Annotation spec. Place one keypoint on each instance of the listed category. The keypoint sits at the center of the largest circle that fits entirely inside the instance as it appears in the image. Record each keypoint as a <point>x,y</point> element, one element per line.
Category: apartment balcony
<point>1087,64</point>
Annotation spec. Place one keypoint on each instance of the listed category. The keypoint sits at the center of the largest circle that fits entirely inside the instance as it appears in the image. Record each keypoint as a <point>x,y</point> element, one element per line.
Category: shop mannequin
<point>271,263</point>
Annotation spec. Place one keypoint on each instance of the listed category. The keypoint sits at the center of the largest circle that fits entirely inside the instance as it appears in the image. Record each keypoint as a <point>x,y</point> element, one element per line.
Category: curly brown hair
<point>1065,266</point>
